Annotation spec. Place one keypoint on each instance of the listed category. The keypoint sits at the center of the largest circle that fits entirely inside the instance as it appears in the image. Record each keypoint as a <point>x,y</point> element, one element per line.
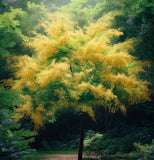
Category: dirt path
<point>62,157</point>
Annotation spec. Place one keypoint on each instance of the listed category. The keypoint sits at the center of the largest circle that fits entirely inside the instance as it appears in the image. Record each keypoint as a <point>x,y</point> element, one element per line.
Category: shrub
<point>13,140</point>
<point>92,143</point>
<point>145,151</point>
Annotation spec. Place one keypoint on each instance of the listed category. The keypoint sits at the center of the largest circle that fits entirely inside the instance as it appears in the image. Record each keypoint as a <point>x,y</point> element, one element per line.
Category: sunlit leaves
<point>78,68</point>
<point>55,71</point>
<point>9,30</point>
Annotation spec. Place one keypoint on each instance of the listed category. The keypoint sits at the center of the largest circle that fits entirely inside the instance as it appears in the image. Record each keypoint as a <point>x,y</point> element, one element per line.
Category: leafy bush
<point>118,141</point>
<point>92,143</point>
<point>95,144</point>
<point>145,151</point>
<point>13,140</point>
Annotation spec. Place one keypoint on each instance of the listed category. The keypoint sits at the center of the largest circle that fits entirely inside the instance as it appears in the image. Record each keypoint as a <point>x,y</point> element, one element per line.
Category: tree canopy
<point>79,68</point>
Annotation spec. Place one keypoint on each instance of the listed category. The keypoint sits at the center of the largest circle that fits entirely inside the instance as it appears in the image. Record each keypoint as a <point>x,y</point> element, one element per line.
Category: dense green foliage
<point>118,141</point>
<point>10,31</point>
<point>145,151</point>
<point>1,5</point>
<point>13,140</point>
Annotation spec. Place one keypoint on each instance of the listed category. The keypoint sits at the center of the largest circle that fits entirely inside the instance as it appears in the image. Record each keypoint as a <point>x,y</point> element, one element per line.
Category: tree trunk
<point>108,120</point>
<point>80,150</point>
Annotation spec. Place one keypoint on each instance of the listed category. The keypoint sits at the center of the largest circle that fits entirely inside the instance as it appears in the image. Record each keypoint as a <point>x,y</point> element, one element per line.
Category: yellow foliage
<point>7,83</point>
<point>123,109</point>
<point>84,86</point>
<point>38,117</point>
<point>138,94</point>
<point>94,28</point>
<point>25,109</point>
<point>52,72</point>
<point>118,60</point>
<point>98,91</point>
<point>136,89</point>
<point>94,65</point>
<point>122,79</point>
<point>102,25</point>
<point>45,46</point>
<point>56,25</point>
<point>28,111</point>
<point>28,68</point>
<point>20,84</point>
<point>88,109</point>
<point>79,38</point>
<point>102,45</point>
<point>78,76</point>
<point>38,120</point>
<point>124,46</point>
<point>110,33</point>
<point>89,48</point>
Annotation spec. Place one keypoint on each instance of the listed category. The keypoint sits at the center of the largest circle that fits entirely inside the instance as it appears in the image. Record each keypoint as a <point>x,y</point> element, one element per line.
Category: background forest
<point>73,65</point>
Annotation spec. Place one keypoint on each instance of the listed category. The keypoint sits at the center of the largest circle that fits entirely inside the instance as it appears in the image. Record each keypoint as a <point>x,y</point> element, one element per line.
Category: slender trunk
<point>80,150</point>
<point>108,120</point>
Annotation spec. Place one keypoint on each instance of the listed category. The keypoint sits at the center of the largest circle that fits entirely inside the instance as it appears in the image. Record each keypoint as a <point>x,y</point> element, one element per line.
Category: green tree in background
<point>18,4</point>
<point>34,14</point>
<point>13,140</point>
<point>50,4</point>
<point>16,27</point>
<point>10,31</point>
<point>1,5</point>
<point>11,38</point>
<point>81,12</point>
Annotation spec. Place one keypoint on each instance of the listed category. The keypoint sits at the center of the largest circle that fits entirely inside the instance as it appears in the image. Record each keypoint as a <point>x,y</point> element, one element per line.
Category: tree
<point>10,31</point>
<point>13,138</point>
<point>81,12</point>
<point>33,15</point>
<point>14,31</point>
<point>19,4</point>
<point>15,28</point>
<point>1,5</point>
<point>11,39</point>
<point>79,68</point>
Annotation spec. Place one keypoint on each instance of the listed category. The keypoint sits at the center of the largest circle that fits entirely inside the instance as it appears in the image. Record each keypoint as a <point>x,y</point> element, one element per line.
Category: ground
<point>61,157</point>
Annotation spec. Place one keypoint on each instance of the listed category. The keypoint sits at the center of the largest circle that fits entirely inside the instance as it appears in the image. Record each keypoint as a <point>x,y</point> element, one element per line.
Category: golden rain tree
<point>78,68</point>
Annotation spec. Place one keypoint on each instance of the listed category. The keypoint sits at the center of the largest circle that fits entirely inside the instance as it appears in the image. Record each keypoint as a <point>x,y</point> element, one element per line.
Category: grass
<point>37,155</point>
